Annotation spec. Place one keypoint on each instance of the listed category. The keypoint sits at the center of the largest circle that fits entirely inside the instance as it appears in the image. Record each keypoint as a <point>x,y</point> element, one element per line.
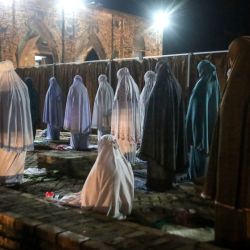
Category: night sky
<point>197,25</point>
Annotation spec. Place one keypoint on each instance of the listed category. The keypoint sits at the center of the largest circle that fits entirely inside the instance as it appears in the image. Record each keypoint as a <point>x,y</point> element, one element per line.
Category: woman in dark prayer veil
<point>201,117</point>
<point>228,177</point>
<point>34,104</point>
<point>163,145</point>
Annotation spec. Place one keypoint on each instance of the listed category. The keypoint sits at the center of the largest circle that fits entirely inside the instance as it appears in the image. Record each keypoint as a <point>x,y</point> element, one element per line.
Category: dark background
<point>197,25</point>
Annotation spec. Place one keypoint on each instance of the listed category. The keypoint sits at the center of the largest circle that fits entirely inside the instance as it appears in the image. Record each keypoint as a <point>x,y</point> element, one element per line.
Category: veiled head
<point>52,80</point>
<point>122,72</point>
<point>78,78</point>
<point>239,53</point>
<point>28,81</point>
<point>149,76</point>
<point>108,142</point>
<point>6,66</point>
<point>102,79</point>
<point>205,67</point>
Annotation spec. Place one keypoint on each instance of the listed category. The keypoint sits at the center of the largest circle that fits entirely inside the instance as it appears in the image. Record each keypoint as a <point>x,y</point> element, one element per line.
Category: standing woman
<point>149,79</point>
<point>228,178</point>
<point>201,117</point>
<point>77,115</point>
<point>53,110</point>
<point>34,104</point>
<point>15,127</point>
<point>125,123</point>
<point>163,142</point>
<point>103,107</point>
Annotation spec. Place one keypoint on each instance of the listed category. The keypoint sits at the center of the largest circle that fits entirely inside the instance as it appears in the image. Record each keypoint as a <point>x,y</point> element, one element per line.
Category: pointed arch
<point>37,40</point>
<point>92,55</point>
<point>93,43</point>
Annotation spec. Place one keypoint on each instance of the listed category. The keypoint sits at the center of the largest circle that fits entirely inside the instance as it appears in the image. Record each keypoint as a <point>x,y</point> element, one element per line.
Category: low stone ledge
<point>72,229</point>
<point>48,232</point>
<point>70,240</point>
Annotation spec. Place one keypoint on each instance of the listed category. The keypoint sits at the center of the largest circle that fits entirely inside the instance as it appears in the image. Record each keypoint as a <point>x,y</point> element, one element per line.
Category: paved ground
<point>27,222</point>
<point>180,211</point>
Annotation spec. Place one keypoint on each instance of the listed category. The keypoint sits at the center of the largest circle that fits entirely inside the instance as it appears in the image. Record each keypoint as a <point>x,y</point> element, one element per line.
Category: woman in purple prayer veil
<point>53,110</point>
<point>77,114</point>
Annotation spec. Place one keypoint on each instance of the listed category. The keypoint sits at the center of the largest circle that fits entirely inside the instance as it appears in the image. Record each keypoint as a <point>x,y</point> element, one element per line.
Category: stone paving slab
<point>74,164</point>
<point>179,208</point>
<point>180,211</point>
<point>44,225</point>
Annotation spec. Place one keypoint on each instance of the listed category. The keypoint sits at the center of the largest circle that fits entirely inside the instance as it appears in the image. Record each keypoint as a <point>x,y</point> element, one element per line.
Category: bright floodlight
<point>71,5</point>
<point>161,20</point>
<point>6,2</point>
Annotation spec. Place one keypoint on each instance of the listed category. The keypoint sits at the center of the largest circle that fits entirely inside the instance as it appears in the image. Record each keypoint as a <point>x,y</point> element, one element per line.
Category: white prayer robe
<point>125,122</point>
<point>16,136</point>
<point>103,107</point>
<point>109,187</point>
<point>149,79</point>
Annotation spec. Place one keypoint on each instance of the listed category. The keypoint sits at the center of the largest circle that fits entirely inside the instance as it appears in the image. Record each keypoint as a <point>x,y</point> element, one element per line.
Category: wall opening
<point>43,59</point>
<point>92,56</point>
<point>139,46</point>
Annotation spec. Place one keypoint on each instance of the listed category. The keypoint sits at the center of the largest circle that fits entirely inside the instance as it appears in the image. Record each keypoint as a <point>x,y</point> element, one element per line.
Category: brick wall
<point>35,27</point>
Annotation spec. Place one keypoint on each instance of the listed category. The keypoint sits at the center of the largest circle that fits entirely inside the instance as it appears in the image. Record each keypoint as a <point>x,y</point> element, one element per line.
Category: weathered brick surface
<point>28,221</point>
<point>35,27</point>
<point>8,243</point>
<point>69,240</point>
<point>48,232</point>
<point>76,229</point>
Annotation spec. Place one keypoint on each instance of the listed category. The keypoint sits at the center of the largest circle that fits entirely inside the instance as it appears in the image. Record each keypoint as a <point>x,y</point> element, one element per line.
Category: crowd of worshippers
<point>211,139</point>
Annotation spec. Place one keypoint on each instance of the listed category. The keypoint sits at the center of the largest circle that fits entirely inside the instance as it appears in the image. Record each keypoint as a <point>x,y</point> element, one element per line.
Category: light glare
<point>71,5</point>
<point>6,2</point>
<point>161,20</point>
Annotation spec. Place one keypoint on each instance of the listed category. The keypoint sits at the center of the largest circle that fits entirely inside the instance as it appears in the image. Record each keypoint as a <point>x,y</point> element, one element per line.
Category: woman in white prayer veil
<point>125,122</point>
<point>149,79</point>
<point>103,107</point>
<point>16,134</point>
<point>109,187</point>
<point>77,114</point>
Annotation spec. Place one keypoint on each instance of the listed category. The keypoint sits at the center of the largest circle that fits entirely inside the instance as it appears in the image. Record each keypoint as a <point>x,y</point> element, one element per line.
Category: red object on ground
<point>49,194</point>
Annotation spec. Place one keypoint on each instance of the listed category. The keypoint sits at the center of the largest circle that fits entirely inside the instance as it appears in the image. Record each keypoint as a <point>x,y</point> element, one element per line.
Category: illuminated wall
<point>30,28</point>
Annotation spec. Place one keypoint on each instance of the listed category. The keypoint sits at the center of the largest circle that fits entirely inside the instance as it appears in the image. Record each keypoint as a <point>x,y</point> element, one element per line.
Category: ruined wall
<point>38,27</point>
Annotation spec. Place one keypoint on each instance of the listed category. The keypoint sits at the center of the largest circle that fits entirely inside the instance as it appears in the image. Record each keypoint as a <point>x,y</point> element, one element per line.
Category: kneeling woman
<point>109,187</point>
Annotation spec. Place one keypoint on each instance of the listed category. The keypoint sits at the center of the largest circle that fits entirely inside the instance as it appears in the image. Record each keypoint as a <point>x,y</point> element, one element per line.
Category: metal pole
<point>110,73</point>
<point>112,37</point>
<point>54,69</point>
<point>188,70</point>
<point>63,35</point>
<point>13,12</point>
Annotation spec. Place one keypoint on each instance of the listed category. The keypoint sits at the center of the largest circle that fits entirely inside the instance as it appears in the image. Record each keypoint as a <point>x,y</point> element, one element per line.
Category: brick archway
<point>37,40</point>
<point>93,43</point>
<point>92,55</point>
